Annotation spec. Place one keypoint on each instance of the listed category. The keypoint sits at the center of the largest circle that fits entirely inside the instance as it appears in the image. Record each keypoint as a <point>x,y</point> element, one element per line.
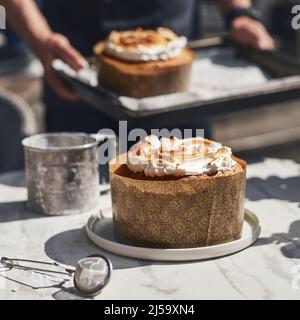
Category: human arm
<point>27,20</point>
<point>246,30</point>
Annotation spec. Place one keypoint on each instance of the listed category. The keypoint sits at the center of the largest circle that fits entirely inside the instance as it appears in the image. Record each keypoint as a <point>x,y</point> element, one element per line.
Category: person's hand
<point>56,46</point>
<point>249,32</point>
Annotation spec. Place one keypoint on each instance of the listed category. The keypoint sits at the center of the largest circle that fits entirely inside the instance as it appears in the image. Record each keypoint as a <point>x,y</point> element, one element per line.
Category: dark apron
<point>86,22</point>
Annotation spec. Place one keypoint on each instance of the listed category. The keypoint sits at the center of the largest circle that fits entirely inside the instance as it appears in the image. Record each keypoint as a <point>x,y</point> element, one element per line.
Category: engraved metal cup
<point>62,173</point>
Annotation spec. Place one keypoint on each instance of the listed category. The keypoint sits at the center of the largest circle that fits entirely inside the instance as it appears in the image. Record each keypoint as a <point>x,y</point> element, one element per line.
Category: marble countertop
<point>270,269</point>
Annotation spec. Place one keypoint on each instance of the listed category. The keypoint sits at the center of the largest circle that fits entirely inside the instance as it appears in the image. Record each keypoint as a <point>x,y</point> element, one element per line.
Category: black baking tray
<point>284,70</point>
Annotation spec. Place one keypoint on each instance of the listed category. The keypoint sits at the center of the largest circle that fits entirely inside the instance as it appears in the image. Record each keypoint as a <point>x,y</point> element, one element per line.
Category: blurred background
<point>273,131</point>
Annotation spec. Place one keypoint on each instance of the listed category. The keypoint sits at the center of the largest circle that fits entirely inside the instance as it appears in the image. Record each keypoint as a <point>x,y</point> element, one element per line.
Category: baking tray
<point>226,78</point>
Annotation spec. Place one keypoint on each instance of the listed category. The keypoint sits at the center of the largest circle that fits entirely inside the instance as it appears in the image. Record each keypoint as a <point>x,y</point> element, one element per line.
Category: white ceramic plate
<point>100,230</point>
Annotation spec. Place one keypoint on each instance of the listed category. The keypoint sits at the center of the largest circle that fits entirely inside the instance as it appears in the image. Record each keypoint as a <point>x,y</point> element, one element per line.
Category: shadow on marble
<point>275,188</point>
<point>70,246</point>
<point>68,294</point>
<point>17,210</point>
<point>290,241</point>
<point>58,284</point>
<point>14,179</point>
<point>64,292</point>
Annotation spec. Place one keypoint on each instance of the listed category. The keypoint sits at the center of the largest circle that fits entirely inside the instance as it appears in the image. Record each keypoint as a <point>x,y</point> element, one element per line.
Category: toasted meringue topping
<point>171,156</point>
<point>144,45</point>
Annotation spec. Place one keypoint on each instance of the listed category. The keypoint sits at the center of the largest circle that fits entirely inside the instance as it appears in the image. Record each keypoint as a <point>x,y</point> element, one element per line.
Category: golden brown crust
<point>99,48</point>
<point>131,40</point>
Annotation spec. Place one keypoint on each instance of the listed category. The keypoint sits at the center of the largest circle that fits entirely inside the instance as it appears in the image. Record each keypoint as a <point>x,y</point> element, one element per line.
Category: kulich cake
<point>141,63</point>
<point>175,193</point>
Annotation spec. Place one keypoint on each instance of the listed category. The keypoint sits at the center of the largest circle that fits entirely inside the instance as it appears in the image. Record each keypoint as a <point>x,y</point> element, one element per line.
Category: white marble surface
<point>267,270</point>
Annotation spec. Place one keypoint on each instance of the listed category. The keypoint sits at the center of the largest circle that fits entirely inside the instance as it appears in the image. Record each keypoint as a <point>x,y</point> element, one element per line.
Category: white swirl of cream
<point>169,47</point>
<point>160,157</point>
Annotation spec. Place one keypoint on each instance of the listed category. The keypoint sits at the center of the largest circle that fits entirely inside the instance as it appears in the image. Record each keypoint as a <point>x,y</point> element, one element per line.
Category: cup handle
<point>101,137</point>
<point>104,168</point>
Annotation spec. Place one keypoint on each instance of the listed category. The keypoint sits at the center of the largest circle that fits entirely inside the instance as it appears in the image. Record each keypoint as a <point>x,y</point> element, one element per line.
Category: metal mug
<point>62,173</point>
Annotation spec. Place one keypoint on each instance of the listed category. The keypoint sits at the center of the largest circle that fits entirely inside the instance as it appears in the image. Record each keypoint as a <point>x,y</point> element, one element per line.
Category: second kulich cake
<point>141,63</point>
<point>172,193</point>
